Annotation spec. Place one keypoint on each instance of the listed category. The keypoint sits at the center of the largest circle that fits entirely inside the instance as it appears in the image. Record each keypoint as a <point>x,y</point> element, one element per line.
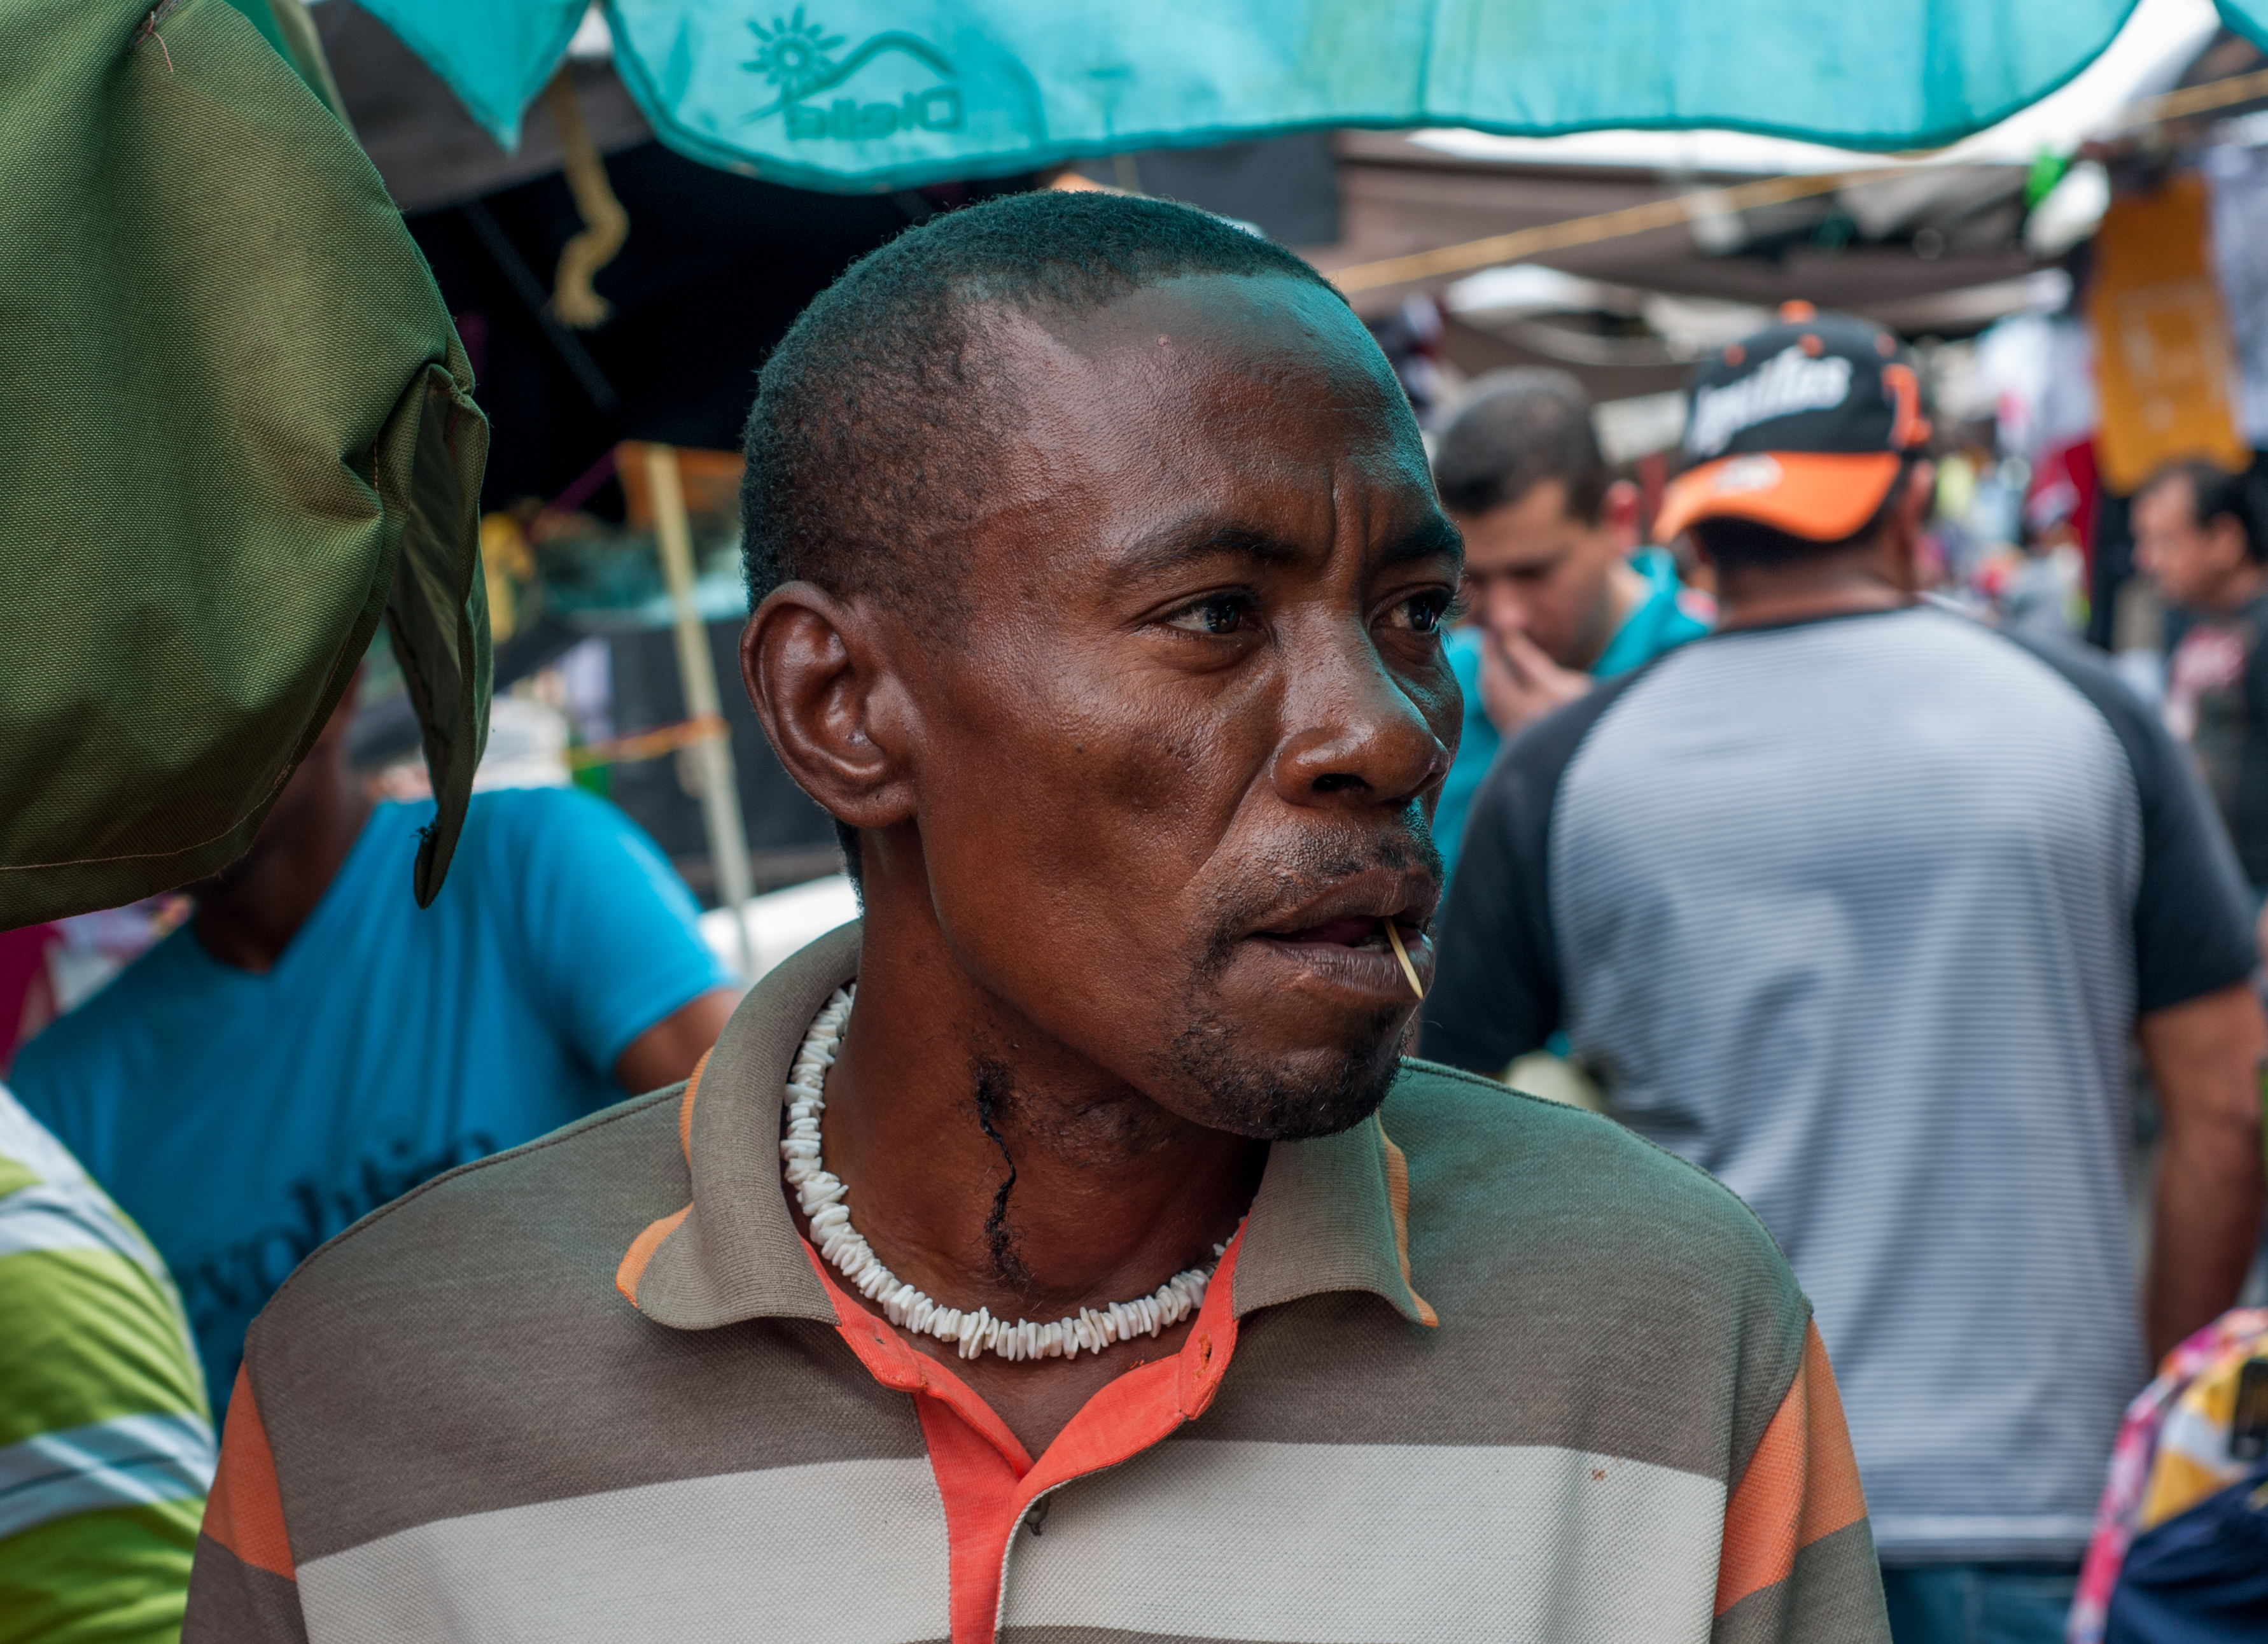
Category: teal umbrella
<point>875,95</point>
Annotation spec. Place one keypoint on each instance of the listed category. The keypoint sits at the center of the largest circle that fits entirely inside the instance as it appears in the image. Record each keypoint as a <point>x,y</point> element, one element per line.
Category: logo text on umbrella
<point>798,58</point>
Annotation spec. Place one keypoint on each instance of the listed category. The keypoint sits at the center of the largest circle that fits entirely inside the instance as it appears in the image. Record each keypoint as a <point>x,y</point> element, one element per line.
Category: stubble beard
<point>1322,1089</point>
<point>1332,1091</point>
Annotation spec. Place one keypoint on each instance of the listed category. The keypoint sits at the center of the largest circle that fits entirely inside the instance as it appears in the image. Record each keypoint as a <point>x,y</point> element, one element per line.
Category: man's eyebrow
<point>1429,539</point>
<point>1171,548</point>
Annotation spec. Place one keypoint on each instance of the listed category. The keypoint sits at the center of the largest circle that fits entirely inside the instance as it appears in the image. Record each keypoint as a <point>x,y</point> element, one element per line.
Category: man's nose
<point>1503,608</point>
<point>1357,735</point>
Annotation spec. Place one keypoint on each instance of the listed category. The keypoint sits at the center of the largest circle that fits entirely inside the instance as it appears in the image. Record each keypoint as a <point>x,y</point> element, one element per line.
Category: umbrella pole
<point>697,668</point>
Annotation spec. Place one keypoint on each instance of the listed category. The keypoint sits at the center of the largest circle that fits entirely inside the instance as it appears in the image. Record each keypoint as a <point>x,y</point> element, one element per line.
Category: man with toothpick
<point>1065,1251</point>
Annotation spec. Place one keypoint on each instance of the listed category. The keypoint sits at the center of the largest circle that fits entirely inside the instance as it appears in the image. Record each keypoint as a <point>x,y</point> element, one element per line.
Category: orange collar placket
<point>987,1479</point>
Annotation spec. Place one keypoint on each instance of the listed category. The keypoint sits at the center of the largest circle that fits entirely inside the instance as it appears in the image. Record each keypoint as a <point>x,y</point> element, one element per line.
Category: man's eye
<point>1217,614</point>
<point>1421,613</point>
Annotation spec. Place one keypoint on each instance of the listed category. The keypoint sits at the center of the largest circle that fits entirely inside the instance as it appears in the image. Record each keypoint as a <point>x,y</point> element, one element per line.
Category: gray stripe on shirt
<point>1844,912</point>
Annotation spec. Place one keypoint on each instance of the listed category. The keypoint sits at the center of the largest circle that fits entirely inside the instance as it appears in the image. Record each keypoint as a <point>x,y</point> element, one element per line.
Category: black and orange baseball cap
<point>1802,426</point>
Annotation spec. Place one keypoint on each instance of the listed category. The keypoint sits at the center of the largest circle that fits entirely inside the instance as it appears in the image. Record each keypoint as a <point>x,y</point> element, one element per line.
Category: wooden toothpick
<point>1403,953</point>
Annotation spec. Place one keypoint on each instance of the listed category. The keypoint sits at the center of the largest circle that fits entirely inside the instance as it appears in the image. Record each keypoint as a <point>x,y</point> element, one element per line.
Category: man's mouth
<point>1339,942</point>
<point>1352,931</point>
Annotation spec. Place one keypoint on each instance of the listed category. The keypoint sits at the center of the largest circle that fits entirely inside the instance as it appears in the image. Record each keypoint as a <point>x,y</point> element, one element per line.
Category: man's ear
<point>1902,529</point>
<point>833,709</point>
<point>2226,533</point>
<point>1920,492</point>
<point>1619,512</point>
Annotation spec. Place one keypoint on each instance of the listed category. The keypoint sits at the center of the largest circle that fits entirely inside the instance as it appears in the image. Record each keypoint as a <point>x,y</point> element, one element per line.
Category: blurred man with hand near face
<point>2199,536</point>
<point>1560,595</point>
<point>1064,1252</point>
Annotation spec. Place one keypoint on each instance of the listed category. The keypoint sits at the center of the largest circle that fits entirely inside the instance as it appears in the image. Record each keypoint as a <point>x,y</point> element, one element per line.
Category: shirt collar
<point>1331,1213</point>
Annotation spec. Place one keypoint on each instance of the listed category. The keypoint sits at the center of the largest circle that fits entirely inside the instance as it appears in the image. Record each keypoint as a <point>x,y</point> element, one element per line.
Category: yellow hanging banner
<point>2164,362</point>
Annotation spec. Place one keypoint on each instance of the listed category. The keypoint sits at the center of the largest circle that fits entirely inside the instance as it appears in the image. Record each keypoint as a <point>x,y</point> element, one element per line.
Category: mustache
<point>1306,864</point>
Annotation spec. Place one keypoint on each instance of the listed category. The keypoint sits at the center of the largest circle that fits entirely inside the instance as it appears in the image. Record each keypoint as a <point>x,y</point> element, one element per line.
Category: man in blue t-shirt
<point>1559,599</point>
<point>313,1044</point>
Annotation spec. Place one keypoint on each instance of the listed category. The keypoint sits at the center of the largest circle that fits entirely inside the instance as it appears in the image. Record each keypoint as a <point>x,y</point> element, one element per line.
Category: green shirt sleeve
<point>105,1443</point>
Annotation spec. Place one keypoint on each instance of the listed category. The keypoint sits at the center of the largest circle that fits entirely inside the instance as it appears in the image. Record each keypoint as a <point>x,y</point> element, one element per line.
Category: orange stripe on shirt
<point>1801,1484</point>
<point>685,1107</point>
<point>632,1267</point>
<point>641,1252</point>
<point>1397,1200</point>
<point>245,1512</point>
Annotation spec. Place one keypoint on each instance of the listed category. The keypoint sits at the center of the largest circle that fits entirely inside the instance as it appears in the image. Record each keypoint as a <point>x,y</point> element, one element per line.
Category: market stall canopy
<point>1626,295</point>
<point>429,150</point>
<point>234,434</point>
<point>884,94</point>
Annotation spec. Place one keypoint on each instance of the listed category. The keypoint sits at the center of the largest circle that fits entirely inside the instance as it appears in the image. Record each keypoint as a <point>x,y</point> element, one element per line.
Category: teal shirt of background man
<point>243,1119</point>
<point>1664,620</point>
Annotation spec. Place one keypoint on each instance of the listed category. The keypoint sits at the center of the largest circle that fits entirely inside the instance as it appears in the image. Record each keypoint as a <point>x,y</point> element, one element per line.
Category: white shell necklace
<point>822,1194</point>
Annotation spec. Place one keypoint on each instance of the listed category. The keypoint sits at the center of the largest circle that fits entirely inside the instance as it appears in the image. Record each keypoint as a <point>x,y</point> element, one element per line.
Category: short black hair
<point>868,447</point>
<point>865,449</point>
<point>1518,428</point>
<point>2215,492</point>
<point>1735,543</point>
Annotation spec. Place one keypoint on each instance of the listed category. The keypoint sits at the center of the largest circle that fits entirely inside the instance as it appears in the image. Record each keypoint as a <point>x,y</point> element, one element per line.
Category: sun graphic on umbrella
<point>792,53</point>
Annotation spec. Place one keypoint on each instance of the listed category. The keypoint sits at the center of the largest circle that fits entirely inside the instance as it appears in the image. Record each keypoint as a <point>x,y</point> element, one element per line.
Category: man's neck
<point>1806,591</point>
<point>248,916</point>
<point>2239,588</point>
<point>1625,591</point>
<point>928,1109</point>
<point>939,1092</point>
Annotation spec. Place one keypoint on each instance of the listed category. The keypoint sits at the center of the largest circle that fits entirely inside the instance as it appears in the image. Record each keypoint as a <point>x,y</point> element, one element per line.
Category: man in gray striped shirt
<point>1098,582</point>
<point>1857,903</point>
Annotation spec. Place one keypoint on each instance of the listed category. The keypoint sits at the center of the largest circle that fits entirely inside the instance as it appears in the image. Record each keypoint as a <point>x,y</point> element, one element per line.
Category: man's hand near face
<point>1549,588</point>
<point>1520,684</point>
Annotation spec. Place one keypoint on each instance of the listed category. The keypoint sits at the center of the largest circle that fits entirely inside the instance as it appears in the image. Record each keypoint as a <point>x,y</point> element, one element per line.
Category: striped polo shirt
<point>1858,914</point>
<point>104,1449</point>
<point>1512,1373</point>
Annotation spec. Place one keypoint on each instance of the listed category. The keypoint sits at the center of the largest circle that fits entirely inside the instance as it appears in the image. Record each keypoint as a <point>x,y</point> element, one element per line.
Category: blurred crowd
<point>1794,824</point>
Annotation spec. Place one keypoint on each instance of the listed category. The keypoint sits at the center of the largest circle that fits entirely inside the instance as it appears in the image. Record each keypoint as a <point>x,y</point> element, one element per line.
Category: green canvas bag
<point>236,429</point>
